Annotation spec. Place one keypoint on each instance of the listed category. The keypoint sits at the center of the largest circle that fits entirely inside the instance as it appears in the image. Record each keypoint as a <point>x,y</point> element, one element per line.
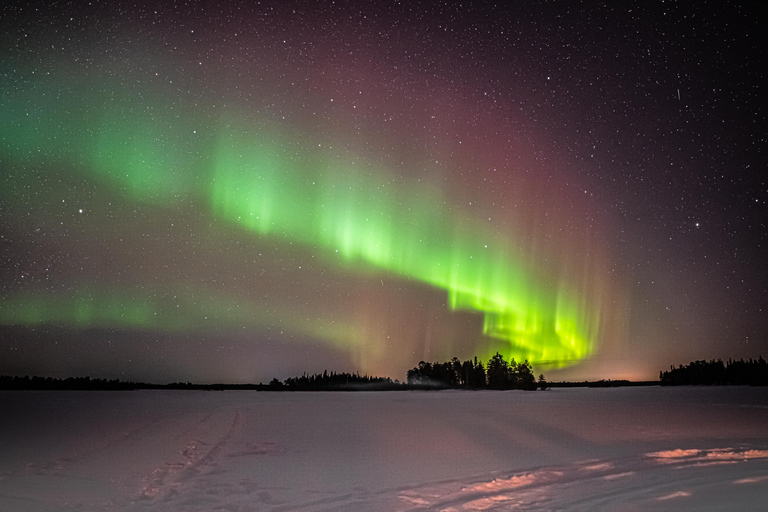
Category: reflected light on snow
<point>717,454</point>
<point>751,480</point>
<point>510,483</point>
<point>678,494</point>
<point>551,486</point>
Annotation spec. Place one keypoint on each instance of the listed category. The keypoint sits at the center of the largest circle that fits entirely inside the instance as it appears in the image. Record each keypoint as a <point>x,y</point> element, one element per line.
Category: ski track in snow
<point>198,457</point>
<point>627,449</point>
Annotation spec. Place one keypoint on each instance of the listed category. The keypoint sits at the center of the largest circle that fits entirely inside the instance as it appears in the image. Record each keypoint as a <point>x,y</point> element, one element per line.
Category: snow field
<point>563,449</point>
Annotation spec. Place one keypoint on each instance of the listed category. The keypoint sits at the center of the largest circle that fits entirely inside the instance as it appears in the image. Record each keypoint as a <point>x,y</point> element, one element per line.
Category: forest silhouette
<point>752,373</point>
<point>454,374</point>
<point>472,374</point>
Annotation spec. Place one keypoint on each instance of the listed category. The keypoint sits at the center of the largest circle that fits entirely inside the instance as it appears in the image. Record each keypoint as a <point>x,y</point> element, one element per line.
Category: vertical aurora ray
<point>277,185</point>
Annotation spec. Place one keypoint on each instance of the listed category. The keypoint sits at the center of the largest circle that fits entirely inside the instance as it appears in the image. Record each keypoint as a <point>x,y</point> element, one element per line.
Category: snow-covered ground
<point>563,449</point>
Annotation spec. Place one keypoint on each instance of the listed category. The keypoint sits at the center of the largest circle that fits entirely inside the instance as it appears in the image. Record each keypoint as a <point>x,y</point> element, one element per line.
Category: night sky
<point>235,191</point>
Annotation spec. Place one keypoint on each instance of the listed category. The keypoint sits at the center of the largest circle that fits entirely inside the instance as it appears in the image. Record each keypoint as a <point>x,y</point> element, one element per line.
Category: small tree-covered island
<point>471,374</point>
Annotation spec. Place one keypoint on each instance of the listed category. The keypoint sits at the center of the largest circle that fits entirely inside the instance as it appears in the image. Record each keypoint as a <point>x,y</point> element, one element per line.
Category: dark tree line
<point>334,382</point>
<point>472,374</point>
<point>71,383</point>
<point>603,383</point>
<point>497,374</point>
<point>454,374</point>
<point>752,372</point>
<point>8,382</point>
<point>318,382</point>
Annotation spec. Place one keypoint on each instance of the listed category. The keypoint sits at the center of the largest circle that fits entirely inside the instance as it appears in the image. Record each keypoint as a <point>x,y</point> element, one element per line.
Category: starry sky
<point>235,191</point>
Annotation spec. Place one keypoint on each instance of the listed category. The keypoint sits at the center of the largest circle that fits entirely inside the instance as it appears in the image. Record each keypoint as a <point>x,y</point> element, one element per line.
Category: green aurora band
<point>275,184</point>
<point>181,312</point>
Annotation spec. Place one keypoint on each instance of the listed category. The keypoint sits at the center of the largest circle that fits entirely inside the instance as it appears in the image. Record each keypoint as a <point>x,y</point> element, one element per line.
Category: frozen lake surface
<point>564,449</point>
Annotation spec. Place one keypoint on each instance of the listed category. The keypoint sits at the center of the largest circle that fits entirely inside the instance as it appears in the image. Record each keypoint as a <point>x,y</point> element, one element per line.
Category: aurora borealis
<point>259,190</point>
